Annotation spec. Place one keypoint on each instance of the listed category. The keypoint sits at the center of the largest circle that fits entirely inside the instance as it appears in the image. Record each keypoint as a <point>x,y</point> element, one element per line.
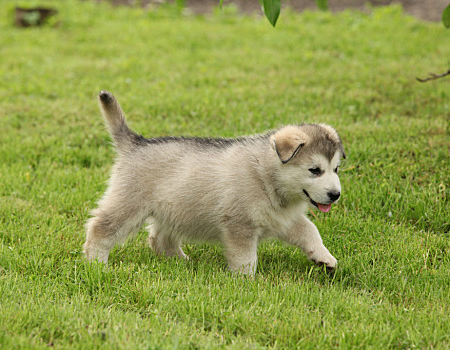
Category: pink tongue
<point>325,208</point>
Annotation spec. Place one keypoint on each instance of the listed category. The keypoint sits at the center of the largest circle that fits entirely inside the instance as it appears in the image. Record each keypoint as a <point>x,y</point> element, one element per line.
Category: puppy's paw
<point>323,257</point>
<point>94,253</point>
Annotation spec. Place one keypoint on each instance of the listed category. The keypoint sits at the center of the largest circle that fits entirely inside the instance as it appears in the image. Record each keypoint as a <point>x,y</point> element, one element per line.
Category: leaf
<point>220,4</point>
<point>446,17</point>
<point>272,10</point>
<point>322,4</point>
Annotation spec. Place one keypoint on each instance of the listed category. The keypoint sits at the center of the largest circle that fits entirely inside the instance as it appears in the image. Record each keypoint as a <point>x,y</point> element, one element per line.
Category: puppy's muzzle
<point>334,195</point>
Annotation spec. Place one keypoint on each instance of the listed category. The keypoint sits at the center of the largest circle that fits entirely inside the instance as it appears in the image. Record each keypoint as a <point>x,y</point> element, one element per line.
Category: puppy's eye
<point>315,171</point>
<point>336,169</point>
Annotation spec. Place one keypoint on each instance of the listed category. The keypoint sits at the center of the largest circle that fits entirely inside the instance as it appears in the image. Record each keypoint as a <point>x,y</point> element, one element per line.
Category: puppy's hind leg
<point>162,243</point>
<point>113,222</point>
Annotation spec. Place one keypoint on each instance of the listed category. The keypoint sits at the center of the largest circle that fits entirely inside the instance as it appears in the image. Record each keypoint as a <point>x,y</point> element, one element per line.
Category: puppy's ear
<point>287,142</point>
<point>342,151</point>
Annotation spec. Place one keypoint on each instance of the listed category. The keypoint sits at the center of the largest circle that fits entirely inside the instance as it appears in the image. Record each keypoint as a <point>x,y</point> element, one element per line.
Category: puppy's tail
<point>123,137</point>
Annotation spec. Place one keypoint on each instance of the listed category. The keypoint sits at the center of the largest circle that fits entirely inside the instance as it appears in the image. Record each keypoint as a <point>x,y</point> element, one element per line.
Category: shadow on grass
<point>274,259</point>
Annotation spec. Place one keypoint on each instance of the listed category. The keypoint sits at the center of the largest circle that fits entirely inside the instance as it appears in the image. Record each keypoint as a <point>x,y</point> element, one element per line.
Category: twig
<point>433,76</point>
<point>314,214</point>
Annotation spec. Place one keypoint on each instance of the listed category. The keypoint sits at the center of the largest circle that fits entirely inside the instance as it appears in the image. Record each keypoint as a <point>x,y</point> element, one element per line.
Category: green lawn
<point>225,75</point>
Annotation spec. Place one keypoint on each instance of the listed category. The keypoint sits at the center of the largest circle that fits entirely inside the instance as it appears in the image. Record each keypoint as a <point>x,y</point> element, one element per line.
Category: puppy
<point>234,191</point>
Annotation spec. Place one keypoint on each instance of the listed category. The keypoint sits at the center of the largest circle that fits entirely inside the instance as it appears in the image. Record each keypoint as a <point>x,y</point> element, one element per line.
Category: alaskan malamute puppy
<point>234,191</point>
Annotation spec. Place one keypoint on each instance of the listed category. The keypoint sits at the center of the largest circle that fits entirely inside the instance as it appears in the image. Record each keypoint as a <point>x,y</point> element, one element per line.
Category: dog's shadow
<point>278,259</point>
<point>274,258</point>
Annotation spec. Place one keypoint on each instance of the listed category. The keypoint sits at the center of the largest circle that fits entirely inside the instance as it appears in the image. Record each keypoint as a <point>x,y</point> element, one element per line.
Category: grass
<point>225,75</point>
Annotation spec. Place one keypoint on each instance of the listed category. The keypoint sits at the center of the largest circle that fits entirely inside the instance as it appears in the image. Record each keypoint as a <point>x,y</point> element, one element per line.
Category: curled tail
<point>123,137</point>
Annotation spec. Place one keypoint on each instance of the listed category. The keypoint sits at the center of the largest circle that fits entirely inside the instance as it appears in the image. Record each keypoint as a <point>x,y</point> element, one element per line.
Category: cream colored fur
<point>236,192</point>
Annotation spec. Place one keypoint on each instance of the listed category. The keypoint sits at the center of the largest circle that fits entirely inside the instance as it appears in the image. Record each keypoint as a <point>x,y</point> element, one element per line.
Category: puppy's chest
<point>278,222</point>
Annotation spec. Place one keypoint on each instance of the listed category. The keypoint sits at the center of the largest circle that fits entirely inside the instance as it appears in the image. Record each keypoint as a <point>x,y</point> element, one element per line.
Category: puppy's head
<point>310,157</point>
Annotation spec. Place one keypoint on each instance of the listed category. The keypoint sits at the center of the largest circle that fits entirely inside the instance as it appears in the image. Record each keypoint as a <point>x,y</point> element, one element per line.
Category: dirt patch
<point>430,10</point>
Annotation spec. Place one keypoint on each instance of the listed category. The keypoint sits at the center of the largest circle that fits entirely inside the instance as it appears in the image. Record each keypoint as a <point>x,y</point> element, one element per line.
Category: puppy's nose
<point>334,196</point>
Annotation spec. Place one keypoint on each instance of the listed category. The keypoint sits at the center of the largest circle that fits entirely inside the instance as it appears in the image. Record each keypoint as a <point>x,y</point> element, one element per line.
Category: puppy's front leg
<point>241,251</point>
<point>305,235</point>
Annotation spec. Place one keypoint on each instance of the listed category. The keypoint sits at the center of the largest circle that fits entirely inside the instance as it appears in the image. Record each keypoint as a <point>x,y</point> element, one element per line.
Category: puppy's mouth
<point>325,208</point>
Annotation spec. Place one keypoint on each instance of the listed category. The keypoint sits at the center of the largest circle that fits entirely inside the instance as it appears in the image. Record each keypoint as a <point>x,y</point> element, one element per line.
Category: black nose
<point>334,196</point>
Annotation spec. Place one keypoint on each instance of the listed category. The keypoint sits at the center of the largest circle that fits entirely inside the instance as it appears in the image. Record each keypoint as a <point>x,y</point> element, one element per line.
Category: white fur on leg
<point>304,234</point>
<point>161,243</point>
<point>96,253</point>
<point>241,253</point>
<point>246,268</point>
<point>321,256</point>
